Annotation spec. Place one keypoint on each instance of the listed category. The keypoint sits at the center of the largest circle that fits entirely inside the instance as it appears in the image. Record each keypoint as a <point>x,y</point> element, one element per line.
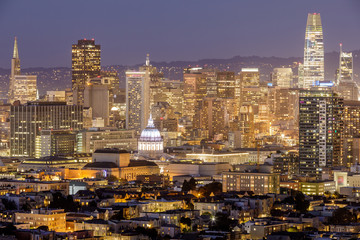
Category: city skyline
<point>119,33</point>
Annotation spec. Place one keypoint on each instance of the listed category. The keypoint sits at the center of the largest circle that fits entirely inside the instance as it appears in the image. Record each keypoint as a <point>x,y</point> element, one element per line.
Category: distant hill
<point>60,77</point>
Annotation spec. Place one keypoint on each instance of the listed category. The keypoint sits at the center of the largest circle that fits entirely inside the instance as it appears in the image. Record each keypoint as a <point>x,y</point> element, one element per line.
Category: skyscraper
<point>27,121</point>
<point>345,84</point>
<point>345,70</point>
<point>15,70</point>
<point>138,97</point>
<point>194,91</point>
<point>21,87</point>
<point>15,61</point>
<point>85,65</point>
<point>282,77</point>
<point>320,128</point>
<point>313,51</point>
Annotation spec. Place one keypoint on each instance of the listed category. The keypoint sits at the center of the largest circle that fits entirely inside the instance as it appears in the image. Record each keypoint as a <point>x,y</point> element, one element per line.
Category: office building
<point>211,115</point>
<point>27,121</point>
<point>346,86</point>
<point>137,100</point>
<point>282,77</point>
<point>285,103</point>
<point>55,143</point>
<point>4,126</point>
<point>194,91</point>
<point>246,126</point>
<point>98,138</point>
<point>85,66</point>
<point>24,89</point>
<point>259,183</point>
<point>249,77</point>
<point>351,133</point>
<point>225,84</point>
<point>313,51</point>
<point>97,96</point>
<point>320,129</point>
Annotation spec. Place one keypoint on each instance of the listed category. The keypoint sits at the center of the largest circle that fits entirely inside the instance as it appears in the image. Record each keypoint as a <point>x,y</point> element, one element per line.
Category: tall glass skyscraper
<point>85,65</point>
<point>313,51</point>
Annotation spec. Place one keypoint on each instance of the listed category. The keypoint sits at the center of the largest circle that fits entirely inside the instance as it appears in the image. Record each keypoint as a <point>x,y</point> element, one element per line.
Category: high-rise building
<point>85,66</point>
<point>345,71</point>
<point>21,87</point>
<point>194,91</point>
<point>225,82</point>
<point>246,126</point>
<point>15,61</point>
<point>211,116</point>
<point>96,96</point>
<point>249,77</point>
<point>27,121</point>
<point>137,100</point>
<point>346,86</point>
<point>351,133</point>
<point>282,77</point>
<point>24,89</point>
<point>313,51</point>
<point>320,129</point>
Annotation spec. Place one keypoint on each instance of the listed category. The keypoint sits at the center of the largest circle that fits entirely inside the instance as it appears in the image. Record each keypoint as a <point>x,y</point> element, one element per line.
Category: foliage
<point>9,204</point>
<point>187,186</point>
<point>222,222</point>
<point>214,187</point>
<point>112,178</point>
<point>7,230</point>
<point>301,204</point>
<point>342,216</point>
<point>150,232</point>
<point>66,203</point>
<point>185,221</point>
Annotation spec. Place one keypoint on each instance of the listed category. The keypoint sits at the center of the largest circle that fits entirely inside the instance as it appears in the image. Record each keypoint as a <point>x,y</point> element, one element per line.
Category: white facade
<point>150,142</point>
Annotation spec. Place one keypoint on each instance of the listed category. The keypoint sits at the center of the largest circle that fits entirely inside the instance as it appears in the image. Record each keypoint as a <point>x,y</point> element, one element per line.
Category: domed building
<point>150,143</point>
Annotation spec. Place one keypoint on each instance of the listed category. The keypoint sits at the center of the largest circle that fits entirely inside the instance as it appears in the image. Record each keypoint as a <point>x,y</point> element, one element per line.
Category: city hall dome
<point>150,143</point>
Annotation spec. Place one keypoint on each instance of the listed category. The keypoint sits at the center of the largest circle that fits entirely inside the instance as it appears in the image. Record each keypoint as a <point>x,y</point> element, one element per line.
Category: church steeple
<point>16,51</point>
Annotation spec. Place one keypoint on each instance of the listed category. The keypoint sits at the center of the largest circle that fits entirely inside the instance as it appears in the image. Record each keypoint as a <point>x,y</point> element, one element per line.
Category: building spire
<point>147,62</point>
<point>16,51</point>
<point>151,121</point>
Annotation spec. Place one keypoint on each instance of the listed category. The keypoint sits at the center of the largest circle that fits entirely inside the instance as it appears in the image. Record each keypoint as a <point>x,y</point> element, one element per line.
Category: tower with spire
<point>15,69</point>
<point>21,87</point>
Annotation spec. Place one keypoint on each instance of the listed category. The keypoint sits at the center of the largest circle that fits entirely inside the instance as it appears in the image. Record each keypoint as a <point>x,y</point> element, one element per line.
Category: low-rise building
<point>55,219</point>
<point>259,183</point>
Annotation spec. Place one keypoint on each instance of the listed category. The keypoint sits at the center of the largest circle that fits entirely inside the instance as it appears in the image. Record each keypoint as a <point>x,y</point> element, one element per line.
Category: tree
<point>301,204</point>
<point>112,178</point>
<point>214,187</point>
<point>185,221</point>
<point>222,222</point>
<point>150,232</point>
<point>342,216</point>
<point>9,204</point>
<point>187,186</point>
<point>66,203</point>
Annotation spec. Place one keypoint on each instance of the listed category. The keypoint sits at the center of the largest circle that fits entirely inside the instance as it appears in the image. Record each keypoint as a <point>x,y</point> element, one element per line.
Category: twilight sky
<point>170,29</point>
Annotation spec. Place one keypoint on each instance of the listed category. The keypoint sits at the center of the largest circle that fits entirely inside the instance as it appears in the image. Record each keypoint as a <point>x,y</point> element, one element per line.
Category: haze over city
<point>170,30</point>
